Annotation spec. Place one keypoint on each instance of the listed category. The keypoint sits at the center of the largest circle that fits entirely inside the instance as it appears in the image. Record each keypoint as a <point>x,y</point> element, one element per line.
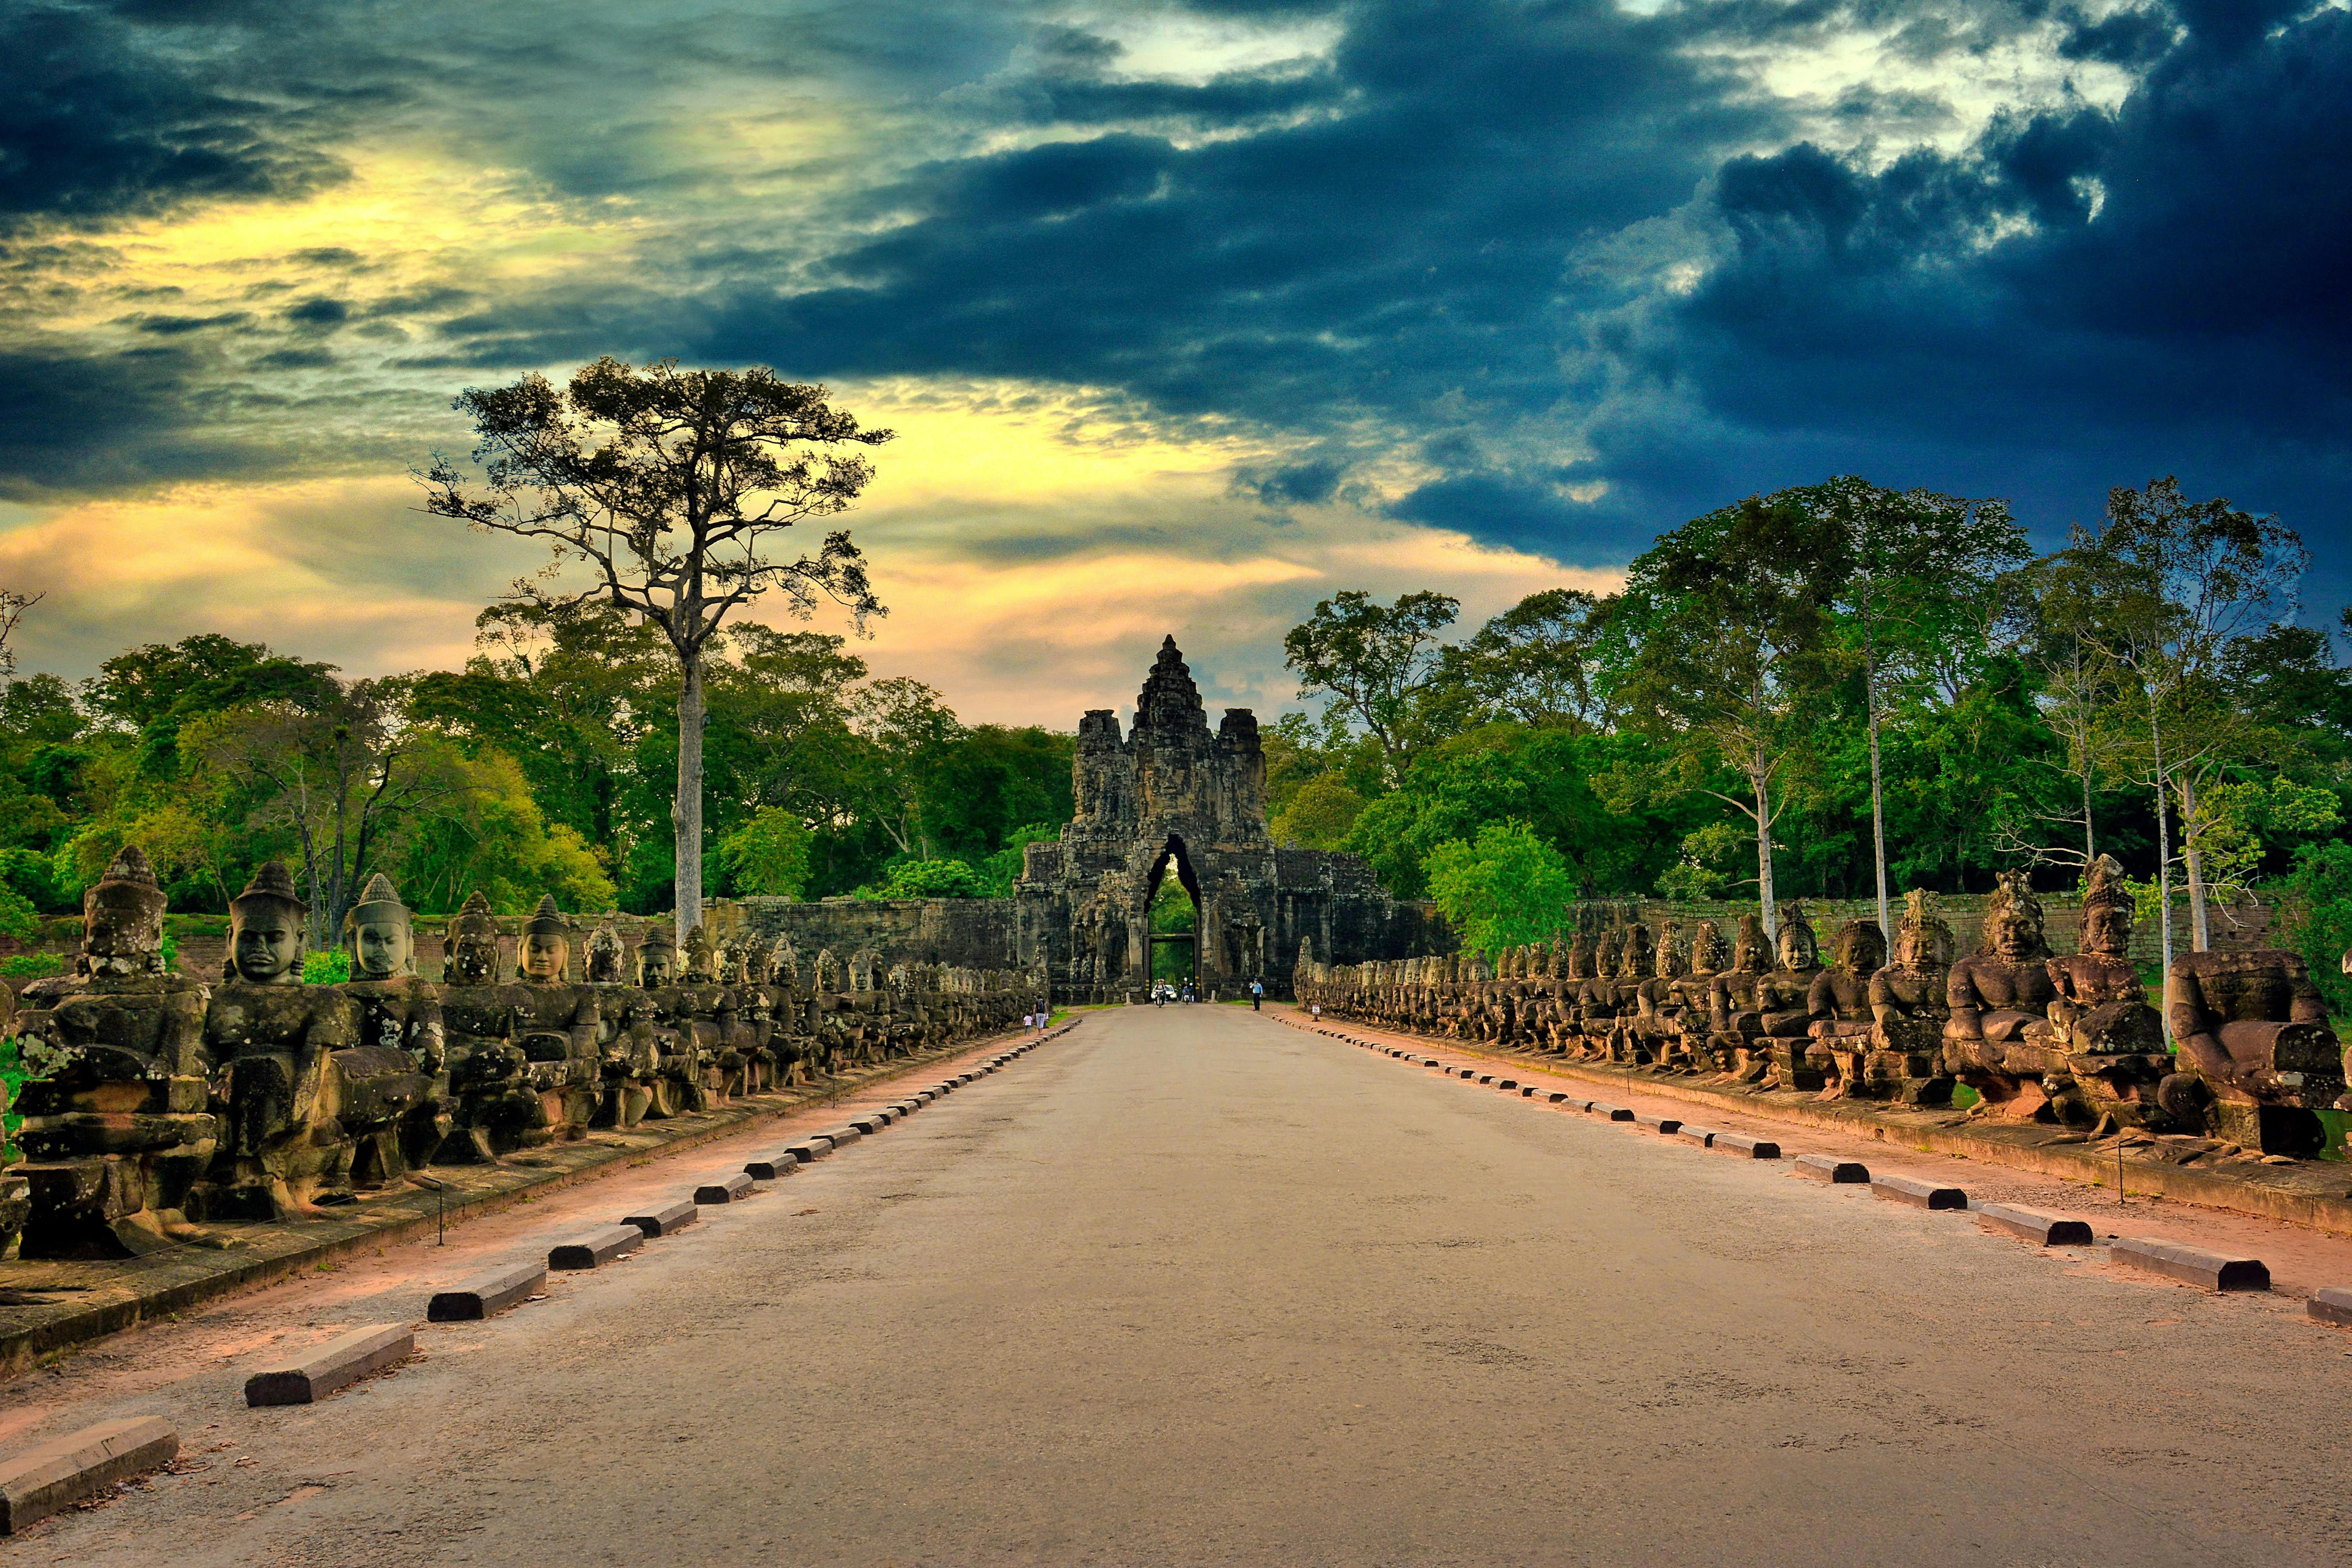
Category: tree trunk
<point>686,810</point>
<point>1877,790</point>
<point>2200,929</point>
<point>2163,852</point>
<point>2090,840</point>
<point>1763,783</point>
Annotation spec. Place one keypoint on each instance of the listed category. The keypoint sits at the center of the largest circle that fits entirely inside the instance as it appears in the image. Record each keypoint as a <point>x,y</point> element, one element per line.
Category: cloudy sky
<point>1187,315</point>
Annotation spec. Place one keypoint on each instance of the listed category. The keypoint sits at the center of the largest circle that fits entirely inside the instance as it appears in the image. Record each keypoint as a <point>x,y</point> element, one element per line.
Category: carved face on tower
<point>265,930</point>
<point>122,918</point>
<point>469,947</point>
<point>377,934</point>
<point>546,950</point>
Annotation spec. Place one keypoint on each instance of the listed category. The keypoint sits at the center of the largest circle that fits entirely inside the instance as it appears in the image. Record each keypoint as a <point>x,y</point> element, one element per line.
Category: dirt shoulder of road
<point>2301,1256</point>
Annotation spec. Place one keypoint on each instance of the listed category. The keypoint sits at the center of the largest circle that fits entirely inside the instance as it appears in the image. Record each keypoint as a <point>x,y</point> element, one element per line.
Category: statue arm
<point>1961,996</point>
<point>2305,1005</point>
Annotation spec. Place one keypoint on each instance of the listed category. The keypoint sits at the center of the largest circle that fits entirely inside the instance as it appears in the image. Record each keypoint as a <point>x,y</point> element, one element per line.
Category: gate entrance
<point>1174,938</point>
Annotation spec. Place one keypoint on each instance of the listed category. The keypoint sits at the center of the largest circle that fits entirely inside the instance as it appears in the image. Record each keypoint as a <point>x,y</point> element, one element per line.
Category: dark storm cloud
<point>101,117</point>
<point>1545,251</point>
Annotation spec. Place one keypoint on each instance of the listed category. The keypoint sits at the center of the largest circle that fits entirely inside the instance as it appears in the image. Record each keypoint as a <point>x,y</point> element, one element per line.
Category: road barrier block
<point>1827,1168</point>
<point>1916,1193</point>
<point>470,1300</point>
<point>338,1363</point>
<point>2039,1226</point>
<point>64,1470</point>
<point>666,1220</point>
<point>596,1246</point>
<point>2194,1265</point>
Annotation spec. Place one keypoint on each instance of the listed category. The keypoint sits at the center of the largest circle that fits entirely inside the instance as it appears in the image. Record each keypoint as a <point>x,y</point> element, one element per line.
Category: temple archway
<point>1172,918</point>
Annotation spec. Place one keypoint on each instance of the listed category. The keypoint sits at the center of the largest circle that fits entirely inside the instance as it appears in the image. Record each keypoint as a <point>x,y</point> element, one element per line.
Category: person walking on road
<point>1257,994</point>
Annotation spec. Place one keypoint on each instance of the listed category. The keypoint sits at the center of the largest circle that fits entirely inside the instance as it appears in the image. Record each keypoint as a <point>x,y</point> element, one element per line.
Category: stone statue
<point>1736,1000</point>
<point>607,956</point>
<point>1908,1007</point>
<point>1839,1003</point>
<point>683,1085</point>
<point>277,1040</point>
<point>400,1015</point>
<point>1694,996</point>
<point>495,1108</point>
<point>2101,1035</point>
<point>2257,1056</point>
<point>557,1023</point>
<point>1995,996</point>
<point>1785,1000</point>
<point>116,1127</point>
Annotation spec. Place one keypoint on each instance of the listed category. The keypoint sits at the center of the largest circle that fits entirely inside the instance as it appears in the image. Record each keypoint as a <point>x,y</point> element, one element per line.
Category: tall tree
<point>1725,646</point>
<point>1376,663</point>
<point>1922,586</point>
<point>2172,593</point>
<point>1537,662</point>
<point>672,487</point>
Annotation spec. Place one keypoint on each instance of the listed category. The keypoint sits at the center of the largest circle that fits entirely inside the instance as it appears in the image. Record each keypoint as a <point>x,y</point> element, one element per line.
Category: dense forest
<point>547,764</point>
<point>1793,696</point>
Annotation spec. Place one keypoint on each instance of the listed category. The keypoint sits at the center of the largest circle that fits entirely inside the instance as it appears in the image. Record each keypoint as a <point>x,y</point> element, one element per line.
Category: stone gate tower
<point>1174,790</point>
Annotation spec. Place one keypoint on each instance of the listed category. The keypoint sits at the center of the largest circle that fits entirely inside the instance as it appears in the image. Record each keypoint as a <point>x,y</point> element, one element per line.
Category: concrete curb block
<point>1667,1126</point>
<point>666,1220</point>
<point>726,1190</point>
<point>1702,1136</point>
<point>1508,1084</point>
<point>843,1136</point>
<point>61,1472</point>
<point>1610,1112</point>
<point>809,1150</point>
<point>470,1300</point>
<point>595,1247</point>
<point>1825,1168</point>
<point>1745,1147</point>
<point>771,1167</point>
<point>2333,1305</point>
<point>2039,1226</point>
<point>870,1123</point>
<point>1917,1194</point>
<point>2194,1265</point>
<point>338,1363</point>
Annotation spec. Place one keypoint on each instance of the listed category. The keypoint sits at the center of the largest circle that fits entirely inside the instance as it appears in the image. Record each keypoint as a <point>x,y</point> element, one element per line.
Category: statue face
<point>267,947</point>
<point>543,957</point>
<point>124,922</point>
<point>657,966</point>
<point>475,960</point>
<point>2108,932</point>
<point>381,949</point>
<point>1796,948</point>
<point>2012,935</point>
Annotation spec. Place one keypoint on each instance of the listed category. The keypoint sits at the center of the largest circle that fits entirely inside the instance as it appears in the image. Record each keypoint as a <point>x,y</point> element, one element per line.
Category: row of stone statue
<point>2053,1039</point>
<point>165,1108</point>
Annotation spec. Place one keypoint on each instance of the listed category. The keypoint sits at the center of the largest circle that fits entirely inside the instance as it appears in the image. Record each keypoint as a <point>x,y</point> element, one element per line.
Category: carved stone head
<point>545,955</point>
<point>658,957</point>
<point>469,948</point>
<point>122,918</point>
<point>1923,943</point>
<point>1636,958</point>
<point>1706,950</point>
<point>266,929</point>
<point>726,957</point>
<point>1582,952</point>
<point>378,934</point>
<point>1860,948</point>
<point>783,963</point>
<point>1798,948</point>
<point>702,956</point>
<point>2012,926</point>
<point>604,956</point>
<point>828,970</point>
<point>1673,960</point>
<point>1749,950</point>
<point>1605,952</point>
<point>2107,911</point>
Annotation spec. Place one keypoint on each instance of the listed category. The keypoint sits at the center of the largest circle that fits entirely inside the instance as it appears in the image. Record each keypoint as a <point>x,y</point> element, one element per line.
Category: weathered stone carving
<point>1995,996</point>
<point>2258,1057</point>
<point>1909,1005</point>
<point>396,1012</point>
<point>2102,1040</point>
<point>1839,1003</point>
<point>118,1129</point>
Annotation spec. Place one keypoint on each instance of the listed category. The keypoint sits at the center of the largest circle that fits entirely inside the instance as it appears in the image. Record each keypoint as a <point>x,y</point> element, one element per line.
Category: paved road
<point>1191,1286</point>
